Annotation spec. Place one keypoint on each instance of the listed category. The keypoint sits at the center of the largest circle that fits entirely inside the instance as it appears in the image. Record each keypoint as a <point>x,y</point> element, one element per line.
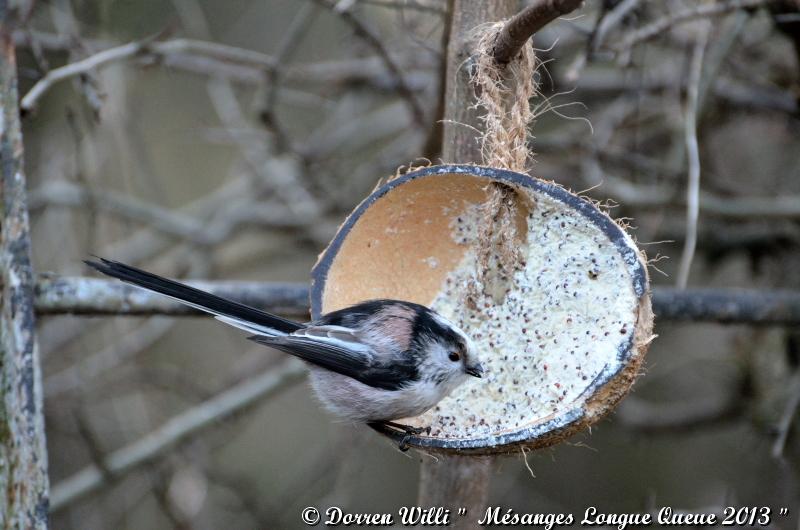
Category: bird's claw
<point>403,446</point>
<point>408,429</point>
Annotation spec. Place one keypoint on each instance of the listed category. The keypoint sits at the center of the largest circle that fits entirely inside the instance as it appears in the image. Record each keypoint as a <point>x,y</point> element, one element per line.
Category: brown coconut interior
<point>403,246</point>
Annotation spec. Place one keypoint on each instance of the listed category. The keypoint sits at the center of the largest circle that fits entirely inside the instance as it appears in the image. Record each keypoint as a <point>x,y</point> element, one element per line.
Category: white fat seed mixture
<point>561,323</point>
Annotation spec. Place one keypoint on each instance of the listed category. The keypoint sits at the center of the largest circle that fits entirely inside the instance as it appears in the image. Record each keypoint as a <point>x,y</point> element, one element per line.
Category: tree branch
<point>437,8</point>
<point>75,375</point>
<point>176,430</point>
<point>23,451</point>
<point>64,193</point>
<point>699,10</point>
<point>524,24</point>
<point>727,306</point>
<point>740,208</point>
<point>132,49</point>
<point>693,155</point>
<point>375,42</point>
<point>91,296</point>
<point>248,67</point>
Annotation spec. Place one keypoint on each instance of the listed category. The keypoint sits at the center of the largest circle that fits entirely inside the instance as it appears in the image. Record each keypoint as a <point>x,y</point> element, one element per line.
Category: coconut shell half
<point>561,337</point>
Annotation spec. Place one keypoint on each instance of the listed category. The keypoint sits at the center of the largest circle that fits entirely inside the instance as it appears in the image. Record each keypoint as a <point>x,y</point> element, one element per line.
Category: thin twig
<point>207,59</point>
<point>286,49</point>
<point>698,10</point>
<point>64,20</point>
<point>132,49</point>
<point>145,243</point>
<point>610,21</point>
<point>524,24</point>
<point>176,430</point>
<point>63,193</point>
<point>731,91</point>
<point>789,413</point>
<point>88,368</point>
<point>693,155</point>
<point>432,147</point>
<point>75,69</point>
<point>376,43</point>
<point>91,442</point>
<point>655,196</point>
<point>417,5</point>
<point>283,175</point>
<point>200,232</point>
<point>718,53</point>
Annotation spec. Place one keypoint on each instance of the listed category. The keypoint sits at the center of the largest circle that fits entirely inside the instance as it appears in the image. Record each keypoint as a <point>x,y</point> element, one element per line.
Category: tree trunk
<point>23,453</point>
<point>461,118</point>
<point>462,481</point>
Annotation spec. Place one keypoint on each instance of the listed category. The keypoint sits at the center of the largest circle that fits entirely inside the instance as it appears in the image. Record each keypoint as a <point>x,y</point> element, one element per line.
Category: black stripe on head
<point>427,327</point>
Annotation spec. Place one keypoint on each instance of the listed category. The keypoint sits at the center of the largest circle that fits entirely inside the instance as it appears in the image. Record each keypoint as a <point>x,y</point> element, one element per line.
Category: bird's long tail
<point>233,313</point>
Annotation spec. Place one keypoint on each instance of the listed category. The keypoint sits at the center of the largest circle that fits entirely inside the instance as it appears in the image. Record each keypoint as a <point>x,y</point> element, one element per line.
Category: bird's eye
<point>455,356</point>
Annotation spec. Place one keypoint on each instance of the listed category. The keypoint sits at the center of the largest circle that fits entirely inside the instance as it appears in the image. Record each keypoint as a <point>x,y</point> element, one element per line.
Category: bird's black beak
<point>476,370</point>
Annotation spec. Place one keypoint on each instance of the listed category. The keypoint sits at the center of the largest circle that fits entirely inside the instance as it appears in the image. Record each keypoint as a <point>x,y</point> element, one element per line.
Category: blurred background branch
<point>90,296</point>
<point>189,423</point>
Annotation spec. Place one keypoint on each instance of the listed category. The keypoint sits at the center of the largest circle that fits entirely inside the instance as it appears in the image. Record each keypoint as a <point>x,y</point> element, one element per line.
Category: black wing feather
<point>359,366</point>
<point>213,303</point>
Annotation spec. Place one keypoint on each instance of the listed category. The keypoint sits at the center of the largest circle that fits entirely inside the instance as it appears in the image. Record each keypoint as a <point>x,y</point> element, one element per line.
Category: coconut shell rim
<point>610,385</point>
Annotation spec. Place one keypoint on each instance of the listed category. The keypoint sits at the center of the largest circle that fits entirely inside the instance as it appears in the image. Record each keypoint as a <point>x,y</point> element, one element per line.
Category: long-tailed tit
<point>373,362</point>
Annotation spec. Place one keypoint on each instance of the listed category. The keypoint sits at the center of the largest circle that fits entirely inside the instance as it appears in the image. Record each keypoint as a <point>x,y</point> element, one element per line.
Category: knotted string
<point>503,92</point>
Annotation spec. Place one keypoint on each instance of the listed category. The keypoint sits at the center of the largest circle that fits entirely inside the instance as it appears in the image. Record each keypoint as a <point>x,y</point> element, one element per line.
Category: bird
<point>373,362</point>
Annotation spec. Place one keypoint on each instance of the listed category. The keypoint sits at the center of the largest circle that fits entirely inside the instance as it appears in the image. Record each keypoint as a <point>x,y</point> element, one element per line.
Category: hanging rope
<point>503,91</point>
